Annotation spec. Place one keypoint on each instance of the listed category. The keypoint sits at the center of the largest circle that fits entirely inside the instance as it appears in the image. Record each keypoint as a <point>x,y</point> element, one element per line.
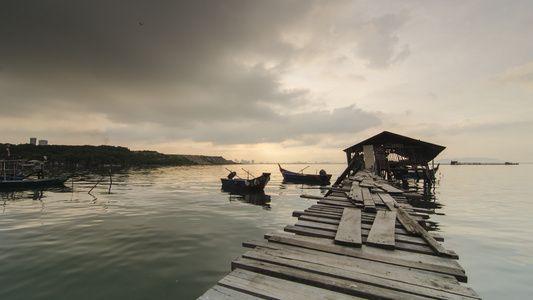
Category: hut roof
<point>389,139</point>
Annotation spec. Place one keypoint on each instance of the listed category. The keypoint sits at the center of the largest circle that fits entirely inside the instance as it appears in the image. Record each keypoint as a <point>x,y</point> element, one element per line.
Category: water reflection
<point>424,200</point>
<point>256,198</point>
<point>31,193</point>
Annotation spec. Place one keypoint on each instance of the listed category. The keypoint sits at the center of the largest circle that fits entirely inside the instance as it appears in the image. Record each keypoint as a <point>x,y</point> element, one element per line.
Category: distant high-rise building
<point>33,141</point>
<point>43,142</point>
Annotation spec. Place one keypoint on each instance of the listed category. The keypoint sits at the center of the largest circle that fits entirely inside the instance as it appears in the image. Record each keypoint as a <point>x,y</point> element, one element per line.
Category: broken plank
<point>413,226</point>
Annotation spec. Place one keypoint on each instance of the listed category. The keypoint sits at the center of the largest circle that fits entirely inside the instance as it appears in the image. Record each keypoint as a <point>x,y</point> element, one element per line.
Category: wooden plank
<point>367,182</point>
<point>268,287</point>
<point>365,230</point>
<point>355,193</point>
<point>315,214</point>
<point>319,280</point>
<point>377,200</point>
<point>349,228</point>
<point>401,258</point>
<point>382,232</point>
<point>339,267</point>
<point>337,203</point>
<point>368,201</point>
<point>218,292</point>
<point>337,215</point>
<point>322,197</point>
<point>329,234</point>
<point>413,226</point>
<point>390,189</point>
<point>388,200</point>
<point>356,262</point>
<point>365,223</point>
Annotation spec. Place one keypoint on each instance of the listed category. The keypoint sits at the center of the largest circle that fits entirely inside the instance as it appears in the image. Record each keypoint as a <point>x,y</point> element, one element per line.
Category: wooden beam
<point>412,226</point>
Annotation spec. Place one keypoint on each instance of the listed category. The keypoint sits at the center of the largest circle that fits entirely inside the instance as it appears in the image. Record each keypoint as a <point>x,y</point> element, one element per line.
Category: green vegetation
<point>93,156</point>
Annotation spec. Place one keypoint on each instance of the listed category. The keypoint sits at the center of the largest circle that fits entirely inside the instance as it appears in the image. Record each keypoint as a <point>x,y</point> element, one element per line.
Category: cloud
<point>232,73</point>
<point>276,129</point>
<point>520,76</point>
<point>379,44</point>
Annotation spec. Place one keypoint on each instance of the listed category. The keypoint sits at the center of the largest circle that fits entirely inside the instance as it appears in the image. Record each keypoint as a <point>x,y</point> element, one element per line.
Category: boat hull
<point>31,183</point>
<point>247,185</point>
<point>294,177</point>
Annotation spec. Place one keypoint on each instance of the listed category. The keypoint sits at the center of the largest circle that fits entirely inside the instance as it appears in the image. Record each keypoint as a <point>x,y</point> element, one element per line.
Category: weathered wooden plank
<point>337,203</point>
<point>366,223</point>
<point>382,232</point>
<point>388,200</point>
<point>322,197</point>
<point>338,189</point>
<point>326,207</point>
<point>355,193</point>
<point>390,189</point>
<point>439,282</point>
<point>413,226</point>
<point>326,233</point>
<point>338,214</point>
<point>367,182</point>
<point>377,200</point>
<point>340,267</point>
<point>401,258</point>
<point>315,214</point>
<point>356,262</point>
<point>349,228</point>
<point>218,292</point>
<point>268,287</point>
<point>341,285</point>
<point>370,206</point>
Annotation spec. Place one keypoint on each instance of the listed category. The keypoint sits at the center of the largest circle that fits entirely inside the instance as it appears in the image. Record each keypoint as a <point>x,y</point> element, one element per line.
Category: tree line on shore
<point>94,156</point>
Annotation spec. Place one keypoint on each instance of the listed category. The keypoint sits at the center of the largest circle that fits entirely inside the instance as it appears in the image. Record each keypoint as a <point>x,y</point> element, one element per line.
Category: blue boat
<point>11,177</point>
<point>239,184</point>
<point>321,178</point>
<point>33,183</point>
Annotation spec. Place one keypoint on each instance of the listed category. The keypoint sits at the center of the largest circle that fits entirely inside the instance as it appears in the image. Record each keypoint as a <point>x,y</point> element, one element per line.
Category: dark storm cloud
<point>186,66</point>
<point>150,51</point>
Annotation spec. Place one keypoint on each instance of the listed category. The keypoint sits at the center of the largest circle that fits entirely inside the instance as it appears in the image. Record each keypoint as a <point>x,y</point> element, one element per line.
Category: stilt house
<point>392,156</point>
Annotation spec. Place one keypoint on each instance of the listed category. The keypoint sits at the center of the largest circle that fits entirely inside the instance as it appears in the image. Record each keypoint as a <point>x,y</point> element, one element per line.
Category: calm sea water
<point>171,233</point>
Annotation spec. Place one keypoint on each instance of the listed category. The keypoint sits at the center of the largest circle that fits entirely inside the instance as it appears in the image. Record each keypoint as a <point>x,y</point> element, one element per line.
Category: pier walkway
<point>360,241</point>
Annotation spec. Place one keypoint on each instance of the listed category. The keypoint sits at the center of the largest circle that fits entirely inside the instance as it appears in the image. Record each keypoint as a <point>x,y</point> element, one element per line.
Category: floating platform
<point>361,241</point>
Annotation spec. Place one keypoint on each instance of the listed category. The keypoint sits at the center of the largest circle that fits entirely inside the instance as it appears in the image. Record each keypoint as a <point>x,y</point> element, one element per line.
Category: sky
<point>269,81</point>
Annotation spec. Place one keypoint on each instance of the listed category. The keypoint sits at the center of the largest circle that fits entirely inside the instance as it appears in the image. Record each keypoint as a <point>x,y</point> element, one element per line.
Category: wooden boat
<point>32,183</point>
<point>239,184</point>
<point>299,177</point>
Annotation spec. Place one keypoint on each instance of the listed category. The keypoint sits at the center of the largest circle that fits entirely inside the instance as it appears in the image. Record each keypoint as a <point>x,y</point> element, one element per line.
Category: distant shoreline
<point>457,163</point>
<point>96,156</point>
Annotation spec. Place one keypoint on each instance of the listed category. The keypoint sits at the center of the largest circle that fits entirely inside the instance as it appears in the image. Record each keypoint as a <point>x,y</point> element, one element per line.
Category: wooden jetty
<point>360,241</point>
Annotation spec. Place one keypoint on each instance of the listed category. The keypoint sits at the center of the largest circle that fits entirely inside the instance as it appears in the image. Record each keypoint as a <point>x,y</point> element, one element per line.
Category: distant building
<point>43,142</point>
<point>33,141</point>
